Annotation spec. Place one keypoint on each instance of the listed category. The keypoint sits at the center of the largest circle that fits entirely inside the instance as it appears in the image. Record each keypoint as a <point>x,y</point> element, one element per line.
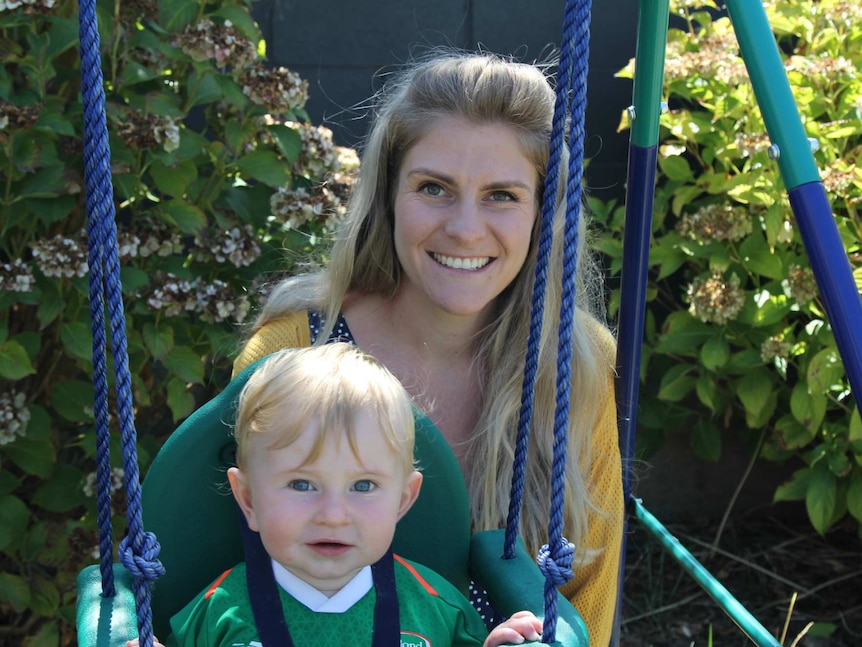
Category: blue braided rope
<point>139,550</point>
<point>561,551</point>
<point>537,308</point>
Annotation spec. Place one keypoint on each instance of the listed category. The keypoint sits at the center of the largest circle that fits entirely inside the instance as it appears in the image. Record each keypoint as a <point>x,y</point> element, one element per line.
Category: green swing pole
<point>756,632</point>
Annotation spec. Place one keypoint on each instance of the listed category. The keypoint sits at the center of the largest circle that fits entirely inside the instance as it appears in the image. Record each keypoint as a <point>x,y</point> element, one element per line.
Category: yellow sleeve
<point>593,591</point>
<point>290,331</point>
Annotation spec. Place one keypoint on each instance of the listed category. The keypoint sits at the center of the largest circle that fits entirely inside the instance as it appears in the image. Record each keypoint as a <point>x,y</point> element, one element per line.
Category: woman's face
<point>465,204</point>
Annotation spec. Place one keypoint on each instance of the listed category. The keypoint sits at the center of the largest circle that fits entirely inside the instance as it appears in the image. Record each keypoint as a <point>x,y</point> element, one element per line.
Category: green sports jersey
<point>433,613</point>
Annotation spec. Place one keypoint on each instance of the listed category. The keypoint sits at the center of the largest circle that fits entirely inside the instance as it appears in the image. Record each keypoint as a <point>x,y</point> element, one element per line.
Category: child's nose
<point>334,510</point>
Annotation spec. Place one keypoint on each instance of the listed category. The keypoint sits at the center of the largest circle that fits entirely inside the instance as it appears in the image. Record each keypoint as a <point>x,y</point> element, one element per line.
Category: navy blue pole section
<point>834,276</point>
<point>636,244</point>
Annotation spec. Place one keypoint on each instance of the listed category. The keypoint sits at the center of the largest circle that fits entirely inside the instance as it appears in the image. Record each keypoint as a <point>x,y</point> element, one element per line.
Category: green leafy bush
<point>217,174</point>
<point>737,337</point>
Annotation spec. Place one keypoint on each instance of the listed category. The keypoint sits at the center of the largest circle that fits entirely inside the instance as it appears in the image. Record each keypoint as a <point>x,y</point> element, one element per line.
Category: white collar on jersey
<point>350,594</point>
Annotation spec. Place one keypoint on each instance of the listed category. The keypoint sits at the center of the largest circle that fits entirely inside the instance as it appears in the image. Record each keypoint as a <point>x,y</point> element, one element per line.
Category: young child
<point>325,470</point>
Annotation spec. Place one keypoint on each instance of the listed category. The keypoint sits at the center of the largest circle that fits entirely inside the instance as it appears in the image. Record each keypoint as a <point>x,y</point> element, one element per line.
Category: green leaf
<point>715,352</point>
<point>133,279</point>
<point>825,371</point>
<point>47,182</point>
<point>47,636</point>
<point>158,338</point>
<point>77,340</point>
<point>180,400</point>
<point>264,166</point>
<point>14,517</point>
<point>794,434</point>
<point>288,140</point>
<point>39,427</point>
<point>73,400</point>
<point>35,457</point>
<point>753,390</point>
<point>15,591</point>
<point>820,497</point>
<point>854,495</point>
<point>189,218</point>
<point>794,489</point>
<point>676,168</point>
<point>682,333</point>
<point>706,440</point>
<point>174,180</point>
<point>187,365</point>
<point>707,391</point>
<point>62,491</point>
<point>241,19</point>
<point>676,383</point>
<point>14,362</point>
<point>44,597</point>
<point>807,408</point>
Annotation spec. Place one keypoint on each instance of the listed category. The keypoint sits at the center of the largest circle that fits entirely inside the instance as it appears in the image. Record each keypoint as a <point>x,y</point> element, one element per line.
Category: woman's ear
<point>410,493</point>
<point>242,493</point>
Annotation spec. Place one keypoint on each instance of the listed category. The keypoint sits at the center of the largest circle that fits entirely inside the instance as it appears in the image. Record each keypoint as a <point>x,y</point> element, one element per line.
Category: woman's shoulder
<point>601,338</point>
<point>289,330</point>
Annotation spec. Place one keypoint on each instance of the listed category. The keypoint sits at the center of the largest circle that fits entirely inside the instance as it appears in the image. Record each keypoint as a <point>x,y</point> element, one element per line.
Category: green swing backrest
<point>187,503</point>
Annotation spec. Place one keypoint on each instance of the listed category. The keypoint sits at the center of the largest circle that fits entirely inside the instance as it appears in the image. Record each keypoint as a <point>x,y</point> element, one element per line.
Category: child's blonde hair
<point>327,386</point>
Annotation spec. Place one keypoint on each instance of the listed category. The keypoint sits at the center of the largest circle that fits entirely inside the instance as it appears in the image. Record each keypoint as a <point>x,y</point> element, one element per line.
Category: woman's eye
<point>503,196</point>
<point>431,188</point>
<point>364,486</point>
<point>300,486</point>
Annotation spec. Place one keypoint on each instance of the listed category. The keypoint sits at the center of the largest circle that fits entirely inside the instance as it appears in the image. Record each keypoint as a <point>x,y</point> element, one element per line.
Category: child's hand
<point>135,642</point>
<point>521,627</point>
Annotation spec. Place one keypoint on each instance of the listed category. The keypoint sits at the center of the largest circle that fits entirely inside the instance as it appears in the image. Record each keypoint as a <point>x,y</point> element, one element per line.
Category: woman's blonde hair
<point>483,88</point>
<point>326,386</point>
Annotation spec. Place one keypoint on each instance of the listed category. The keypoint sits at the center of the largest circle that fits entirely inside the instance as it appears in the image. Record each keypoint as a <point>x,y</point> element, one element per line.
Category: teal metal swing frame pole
<point>810,205</point>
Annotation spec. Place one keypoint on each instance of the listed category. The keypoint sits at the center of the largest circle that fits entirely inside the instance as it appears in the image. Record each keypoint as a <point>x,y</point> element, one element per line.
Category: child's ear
<point>242,493</point>
<point>410,493</point>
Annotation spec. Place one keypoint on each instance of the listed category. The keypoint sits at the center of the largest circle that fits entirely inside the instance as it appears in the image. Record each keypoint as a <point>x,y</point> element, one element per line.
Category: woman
<point>432,273</point>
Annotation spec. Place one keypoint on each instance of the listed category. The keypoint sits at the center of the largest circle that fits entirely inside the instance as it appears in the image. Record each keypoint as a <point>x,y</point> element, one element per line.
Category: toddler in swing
<point>325,469</point>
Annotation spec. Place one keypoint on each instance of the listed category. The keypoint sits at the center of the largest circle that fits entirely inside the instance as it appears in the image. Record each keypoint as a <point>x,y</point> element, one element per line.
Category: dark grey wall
<point>342,46</point>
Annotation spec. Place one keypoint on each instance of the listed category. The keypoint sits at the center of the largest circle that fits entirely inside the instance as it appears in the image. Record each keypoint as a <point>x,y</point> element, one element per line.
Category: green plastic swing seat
<point>187,503</point>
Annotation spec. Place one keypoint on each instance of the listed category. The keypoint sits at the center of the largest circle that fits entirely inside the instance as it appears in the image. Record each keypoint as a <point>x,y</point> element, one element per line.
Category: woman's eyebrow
<point>448,179</point>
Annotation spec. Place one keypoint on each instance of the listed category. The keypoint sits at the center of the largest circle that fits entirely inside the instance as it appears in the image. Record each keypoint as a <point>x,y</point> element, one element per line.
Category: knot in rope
<point>145,564</point>
<point>558,570</point>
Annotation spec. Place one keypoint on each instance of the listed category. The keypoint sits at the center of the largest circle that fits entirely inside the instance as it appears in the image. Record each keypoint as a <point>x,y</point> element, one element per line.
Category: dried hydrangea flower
<point>714,299</point>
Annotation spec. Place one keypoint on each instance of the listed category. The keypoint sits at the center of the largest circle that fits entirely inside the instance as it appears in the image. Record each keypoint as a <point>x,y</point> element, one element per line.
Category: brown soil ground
<point>762,561</point>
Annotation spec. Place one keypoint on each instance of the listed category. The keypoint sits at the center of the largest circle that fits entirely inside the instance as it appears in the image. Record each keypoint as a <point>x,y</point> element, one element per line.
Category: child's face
<point>325,520</point>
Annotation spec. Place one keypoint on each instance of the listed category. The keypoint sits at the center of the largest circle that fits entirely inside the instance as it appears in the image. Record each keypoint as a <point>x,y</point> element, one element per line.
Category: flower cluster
<point>223,43</point>
<point>749,145</point>
<point>237,245</point>
<point>715,222</point>
<point>800,284</point>
<point>14,416</point>
<point>825,67</point>
<point>16,277</point>
<point>839,178</point>
<point>212,302</point>
<point>296,207</point>
<point>117,476</point>
<point>146,131</point>
<point>714,299</point>
<point>29,7</point>
<point>61,256</point>
<point>152,242</point>
<point>18,117</point>
<point>774,347</point>
<point>716,59</point>
<point>278,90</point>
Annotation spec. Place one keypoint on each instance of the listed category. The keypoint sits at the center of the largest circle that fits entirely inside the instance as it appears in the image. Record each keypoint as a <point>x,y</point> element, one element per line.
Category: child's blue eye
<point>300,486</point>
<point>363,486</point>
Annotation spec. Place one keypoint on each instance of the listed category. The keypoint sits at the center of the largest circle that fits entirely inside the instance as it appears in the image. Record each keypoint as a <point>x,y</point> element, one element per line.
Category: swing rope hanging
<point>138,551</point>
<point>556,557</point>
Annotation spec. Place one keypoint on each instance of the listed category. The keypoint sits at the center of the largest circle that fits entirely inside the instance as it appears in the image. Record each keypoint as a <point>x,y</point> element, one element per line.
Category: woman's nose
<point>465,221</point>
